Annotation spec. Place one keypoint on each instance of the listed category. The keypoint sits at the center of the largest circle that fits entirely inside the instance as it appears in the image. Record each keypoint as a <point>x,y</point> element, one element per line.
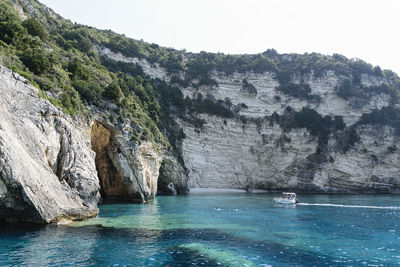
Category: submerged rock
<point>172,188</point>
<point>199,254</point>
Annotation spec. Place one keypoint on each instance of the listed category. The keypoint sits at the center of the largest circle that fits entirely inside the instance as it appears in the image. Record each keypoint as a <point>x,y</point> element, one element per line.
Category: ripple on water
<point>174,231</point>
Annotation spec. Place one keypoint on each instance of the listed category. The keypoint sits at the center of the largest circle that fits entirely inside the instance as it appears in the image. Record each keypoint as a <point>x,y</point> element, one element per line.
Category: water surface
<point>360,230</point>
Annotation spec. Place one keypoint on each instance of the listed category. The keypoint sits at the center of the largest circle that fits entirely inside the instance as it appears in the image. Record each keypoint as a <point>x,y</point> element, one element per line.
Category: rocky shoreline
<point>56,169</point>
<point>48,165</point>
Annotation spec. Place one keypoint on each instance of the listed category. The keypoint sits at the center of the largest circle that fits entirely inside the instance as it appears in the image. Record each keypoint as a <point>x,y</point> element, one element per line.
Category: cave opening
<point>111,182</point>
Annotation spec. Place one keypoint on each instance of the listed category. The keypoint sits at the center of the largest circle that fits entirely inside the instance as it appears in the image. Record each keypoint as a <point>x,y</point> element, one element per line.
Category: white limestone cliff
<point>269,100</point>
<point>227,153</point>
<point>127,170</point>
<point>153,70</point>
<point>47,165</point>
<point>47,169</point>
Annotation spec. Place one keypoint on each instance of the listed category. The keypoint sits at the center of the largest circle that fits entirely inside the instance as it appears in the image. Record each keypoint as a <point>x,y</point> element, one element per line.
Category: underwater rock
<point>200,254</point>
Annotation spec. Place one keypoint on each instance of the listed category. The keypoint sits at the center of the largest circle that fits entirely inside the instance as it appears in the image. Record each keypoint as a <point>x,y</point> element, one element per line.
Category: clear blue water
<point>189,231</point>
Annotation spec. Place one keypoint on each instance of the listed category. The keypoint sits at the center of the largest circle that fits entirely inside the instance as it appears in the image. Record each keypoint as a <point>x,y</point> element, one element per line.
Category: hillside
<point>63,60</point>
<point>165,120</point>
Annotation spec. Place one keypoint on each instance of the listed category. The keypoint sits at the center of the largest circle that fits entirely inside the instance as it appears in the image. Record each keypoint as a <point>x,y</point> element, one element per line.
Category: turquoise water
<point>189,231</point>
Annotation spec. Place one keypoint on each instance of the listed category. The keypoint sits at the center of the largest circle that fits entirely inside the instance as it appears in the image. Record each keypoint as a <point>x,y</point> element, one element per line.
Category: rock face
<point>268,99</point>
<point>232,153</point>
<point>256,153</point>
<point>306,123</point>
<point>173,178</point>
<point>127,171</point>
<point>47,170</point>
<point>53,168</point>
<point>226,153</point>
<point>152,70</point>
<point>110,179</point>
<point>372,165</point>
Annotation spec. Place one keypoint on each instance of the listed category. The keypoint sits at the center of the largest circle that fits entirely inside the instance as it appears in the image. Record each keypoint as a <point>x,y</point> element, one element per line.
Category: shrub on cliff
<point>10,24</point>
<point>36,60</point>
<point>311,120</point>
<point>248,87</point>
<point>34,28</point>
<point>302,91</point>
<point>386,116</point>
<point>351,89</point>
<point>113,92</point>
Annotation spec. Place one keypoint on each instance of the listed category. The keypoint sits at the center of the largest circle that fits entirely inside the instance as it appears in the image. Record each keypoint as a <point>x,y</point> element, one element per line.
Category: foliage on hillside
<point>350,90</point>
<point>61,59</point>
<point>248,87</point>
<point>311,120</point>
<point>389,116</point>
<point>302,91</point>
<point>202,65</point>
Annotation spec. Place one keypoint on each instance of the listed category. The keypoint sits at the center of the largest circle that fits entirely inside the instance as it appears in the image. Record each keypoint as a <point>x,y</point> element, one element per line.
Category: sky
<point>363,29</point>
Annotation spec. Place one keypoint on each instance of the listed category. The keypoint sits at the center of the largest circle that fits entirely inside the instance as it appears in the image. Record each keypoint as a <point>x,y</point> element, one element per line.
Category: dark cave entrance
<point>111,182</point>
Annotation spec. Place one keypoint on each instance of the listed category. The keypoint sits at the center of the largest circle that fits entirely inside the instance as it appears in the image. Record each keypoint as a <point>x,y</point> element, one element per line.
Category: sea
<point>218,229</point>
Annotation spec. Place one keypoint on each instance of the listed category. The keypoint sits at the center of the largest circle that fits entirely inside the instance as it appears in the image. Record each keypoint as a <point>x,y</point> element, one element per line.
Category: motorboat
<point>286,198</point>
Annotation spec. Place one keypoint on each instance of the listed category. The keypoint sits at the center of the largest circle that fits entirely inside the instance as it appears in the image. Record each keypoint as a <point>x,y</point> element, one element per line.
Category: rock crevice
<point>127,171</point>
<point>111,183</point>
<point>37,141</point>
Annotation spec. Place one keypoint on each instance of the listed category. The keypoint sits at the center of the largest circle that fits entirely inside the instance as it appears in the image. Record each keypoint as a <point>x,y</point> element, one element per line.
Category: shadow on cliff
<point>111,183</point>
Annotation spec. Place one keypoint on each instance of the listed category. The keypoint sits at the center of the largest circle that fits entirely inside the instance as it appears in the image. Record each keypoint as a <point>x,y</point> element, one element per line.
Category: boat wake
<point>349,206</point>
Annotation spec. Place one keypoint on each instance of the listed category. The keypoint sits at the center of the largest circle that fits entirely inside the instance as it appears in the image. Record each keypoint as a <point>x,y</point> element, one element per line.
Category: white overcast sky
<point>365,29</point>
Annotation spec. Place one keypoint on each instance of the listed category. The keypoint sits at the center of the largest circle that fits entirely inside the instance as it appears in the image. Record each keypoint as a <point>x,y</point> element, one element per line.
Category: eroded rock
<point>111,183</point>
<point>47,170</point>
<point>173,178</point>
<point>255,153</point>
<point>127,170</point>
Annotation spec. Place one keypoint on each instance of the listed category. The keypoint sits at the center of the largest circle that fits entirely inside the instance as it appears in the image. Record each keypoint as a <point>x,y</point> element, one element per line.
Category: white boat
<point>286,198</point>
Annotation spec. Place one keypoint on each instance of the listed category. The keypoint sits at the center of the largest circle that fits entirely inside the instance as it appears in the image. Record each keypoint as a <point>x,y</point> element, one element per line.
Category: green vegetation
<point>389,116</point>
<point>167,58</point>
<point>198,73</point>
<point>59,56</point>
<point>37,60</point>
<point>248,87</point>
<point>61,59</point>
<point>321,127</point>
<point>34,28</point>
<point>210,107</point>
<point>349,139</point>
<point>302,91</point>
<point>200,66</point>
<point>350,89</point>
<point>129,68</point>
<point>316,124</point>
<point>11,29</point>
